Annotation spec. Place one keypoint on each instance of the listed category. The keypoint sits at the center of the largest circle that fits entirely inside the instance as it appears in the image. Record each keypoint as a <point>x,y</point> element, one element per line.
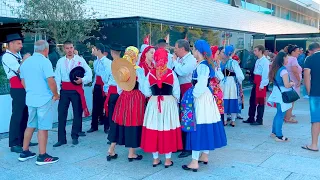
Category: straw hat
<point>124,74</point>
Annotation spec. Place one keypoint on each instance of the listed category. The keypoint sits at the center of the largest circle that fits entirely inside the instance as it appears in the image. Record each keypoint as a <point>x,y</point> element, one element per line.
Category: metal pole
<point>138,34</point>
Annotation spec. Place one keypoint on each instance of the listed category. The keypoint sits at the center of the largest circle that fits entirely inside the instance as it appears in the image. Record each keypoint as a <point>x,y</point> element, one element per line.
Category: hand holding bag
<point>288,96</point>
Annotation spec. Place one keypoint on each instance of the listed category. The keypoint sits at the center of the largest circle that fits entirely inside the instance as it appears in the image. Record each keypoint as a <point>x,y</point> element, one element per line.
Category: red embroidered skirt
<point>130,107</point>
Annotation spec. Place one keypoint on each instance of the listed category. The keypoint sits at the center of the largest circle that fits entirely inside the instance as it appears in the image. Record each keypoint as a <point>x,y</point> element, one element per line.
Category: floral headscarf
<point>161,58</point>
<point>130,54</point>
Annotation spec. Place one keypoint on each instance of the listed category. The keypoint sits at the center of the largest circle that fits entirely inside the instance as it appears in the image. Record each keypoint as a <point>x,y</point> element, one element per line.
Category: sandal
<point>306,147</point>
<point>291,120</point>
<point>282,139</point>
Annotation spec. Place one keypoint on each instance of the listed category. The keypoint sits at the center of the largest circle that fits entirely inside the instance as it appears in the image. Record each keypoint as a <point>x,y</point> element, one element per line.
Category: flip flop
<point>307,148</point>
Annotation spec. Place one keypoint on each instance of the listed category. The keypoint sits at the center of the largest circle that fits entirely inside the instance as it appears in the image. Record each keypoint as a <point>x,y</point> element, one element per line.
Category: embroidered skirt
<point>217,93</point>
<point>161,131</point>
<point>230,95</point>
<point>210,133</point>
<point>128,119</point>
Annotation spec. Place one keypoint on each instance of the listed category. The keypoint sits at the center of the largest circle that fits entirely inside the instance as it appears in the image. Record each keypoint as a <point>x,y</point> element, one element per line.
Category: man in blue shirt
<point>37,77</point>
<point>312,82</point>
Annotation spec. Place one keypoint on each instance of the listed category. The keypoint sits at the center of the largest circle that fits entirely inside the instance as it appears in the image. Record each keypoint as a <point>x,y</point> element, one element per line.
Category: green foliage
<point>4,83</point>
<point>60,19</point>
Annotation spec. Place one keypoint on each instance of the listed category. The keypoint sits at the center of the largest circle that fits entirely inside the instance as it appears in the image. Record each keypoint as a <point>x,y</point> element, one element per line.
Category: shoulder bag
<point>288,96</point>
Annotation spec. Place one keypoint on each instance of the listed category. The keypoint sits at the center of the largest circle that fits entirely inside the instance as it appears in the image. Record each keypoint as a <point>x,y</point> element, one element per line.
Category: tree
<point>59,19</point>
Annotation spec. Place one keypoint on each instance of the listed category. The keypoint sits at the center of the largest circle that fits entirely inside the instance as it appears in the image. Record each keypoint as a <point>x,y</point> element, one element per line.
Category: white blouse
<point>141,78</point>
<point>233,66</point>
<point>201,86</point>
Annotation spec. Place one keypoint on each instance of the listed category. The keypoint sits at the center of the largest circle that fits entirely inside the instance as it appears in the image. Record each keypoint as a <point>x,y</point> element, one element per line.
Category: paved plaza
<point>250,154</point>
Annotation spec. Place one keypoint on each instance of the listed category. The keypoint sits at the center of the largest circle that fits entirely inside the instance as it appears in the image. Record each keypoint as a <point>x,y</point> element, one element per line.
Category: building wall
<point>204,12</point>
<point>208,13</point>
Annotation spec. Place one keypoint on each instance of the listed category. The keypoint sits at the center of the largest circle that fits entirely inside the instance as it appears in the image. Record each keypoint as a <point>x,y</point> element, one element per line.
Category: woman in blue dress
<point>205,130</point>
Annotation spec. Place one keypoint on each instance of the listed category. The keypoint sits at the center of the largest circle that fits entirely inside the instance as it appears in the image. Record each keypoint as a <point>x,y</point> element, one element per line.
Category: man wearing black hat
<point>111,88</point>
<point>11,61</point>
<point>162,43</point>
<point>99,97</point>
<point>72,72</point>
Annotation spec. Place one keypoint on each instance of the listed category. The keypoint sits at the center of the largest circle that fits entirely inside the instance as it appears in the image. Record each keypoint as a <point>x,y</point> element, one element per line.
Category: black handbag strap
<point>275,82</point>
<point>19,61</point>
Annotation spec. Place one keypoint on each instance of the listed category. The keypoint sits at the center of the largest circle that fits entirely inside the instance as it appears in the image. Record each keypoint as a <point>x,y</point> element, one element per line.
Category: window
<point>285,14</point>
<point>293,16</point>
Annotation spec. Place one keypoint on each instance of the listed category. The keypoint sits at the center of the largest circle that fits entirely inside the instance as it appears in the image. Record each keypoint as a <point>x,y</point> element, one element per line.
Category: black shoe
<point>33,144</point>
<point>109,157</point>
<point>109,142</point>
<point>16,149</point>
<point>185,167</point>
<point>92,130</point>
<point>46,159</point>
<point>59,143</point>
<point>167,166</point>
<point>82,134</point>
<point>139,157</point>
<point>106,131</point>
<point>25,155</point>
<point>256,124</point>
<point>101,123</point>
<point>155,165</point>
<point>75,141</point>
<point>184,154</point>
<point>248,121</point>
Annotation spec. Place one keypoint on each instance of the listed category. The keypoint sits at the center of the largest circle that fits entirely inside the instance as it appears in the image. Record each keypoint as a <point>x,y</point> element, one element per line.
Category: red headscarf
<point>235,57</point>
<point>214,49</point>
<point>161,58</point>
<point>143,64</point>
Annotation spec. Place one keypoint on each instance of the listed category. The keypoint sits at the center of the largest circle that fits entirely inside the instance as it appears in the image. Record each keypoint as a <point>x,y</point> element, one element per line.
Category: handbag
<point>288,96</point>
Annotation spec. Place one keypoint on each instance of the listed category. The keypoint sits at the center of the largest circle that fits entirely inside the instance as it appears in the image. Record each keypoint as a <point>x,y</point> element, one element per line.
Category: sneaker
<point>25,155</point>
<point>306,97</point>
<point>46,159</point>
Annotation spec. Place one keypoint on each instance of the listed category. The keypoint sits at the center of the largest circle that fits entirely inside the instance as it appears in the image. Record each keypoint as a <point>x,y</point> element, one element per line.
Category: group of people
<point>153,100</point>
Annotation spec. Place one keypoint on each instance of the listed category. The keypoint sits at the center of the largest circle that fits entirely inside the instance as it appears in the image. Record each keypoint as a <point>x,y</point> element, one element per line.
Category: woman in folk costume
<point>204,129</point>
<point>161,131</point>
<point>129,110</point>
<point>146,59</point>
<point>240,91</point>
<point>215,81</point>
<point>232,75</point>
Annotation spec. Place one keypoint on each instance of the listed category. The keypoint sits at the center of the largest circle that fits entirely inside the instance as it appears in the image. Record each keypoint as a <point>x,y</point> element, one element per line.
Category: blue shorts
<point>314,108</point>
<point>41,117</point>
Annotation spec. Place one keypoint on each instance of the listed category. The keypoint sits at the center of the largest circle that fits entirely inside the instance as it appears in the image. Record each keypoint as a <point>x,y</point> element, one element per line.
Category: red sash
<point>111,90</point>
<point>184,88</point>
<point>260,94</point>
<point>100,82</point>
<point>69,86</point>
<point>15,83</point>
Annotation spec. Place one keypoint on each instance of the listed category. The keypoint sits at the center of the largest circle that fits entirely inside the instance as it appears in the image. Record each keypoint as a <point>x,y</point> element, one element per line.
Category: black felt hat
<point>13,37</point>
<point>76,72</point>
<point>116,47</point>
